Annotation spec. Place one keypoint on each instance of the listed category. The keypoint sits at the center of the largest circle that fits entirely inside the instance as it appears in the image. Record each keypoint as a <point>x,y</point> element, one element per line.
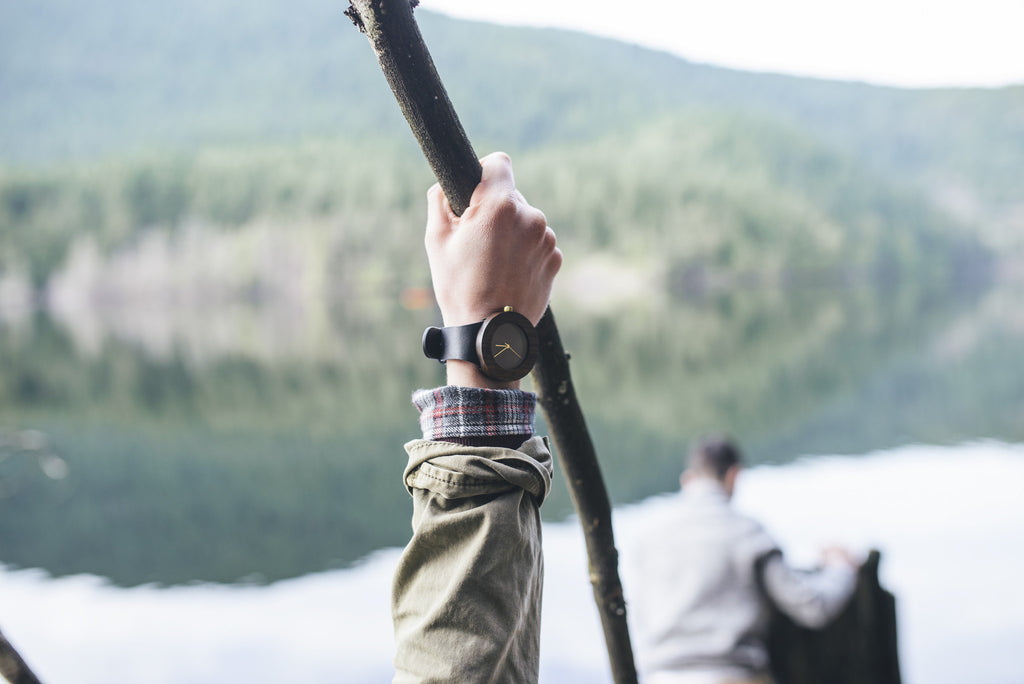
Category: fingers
<point>497,174</point>
<point>496,181</point>
<point>554,260</point>
<point>439,215</point>
<point>500,252</point>
<point>496,204</point>
<point>496,192</point>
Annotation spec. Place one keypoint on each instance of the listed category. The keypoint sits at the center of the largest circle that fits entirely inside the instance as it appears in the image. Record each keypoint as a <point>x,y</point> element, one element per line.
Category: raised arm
<point>467,593</point>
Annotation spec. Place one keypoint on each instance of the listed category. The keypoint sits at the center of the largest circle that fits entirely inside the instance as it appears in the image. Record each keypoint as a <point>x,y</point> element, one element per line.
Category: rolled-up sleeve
<point>466,596</point>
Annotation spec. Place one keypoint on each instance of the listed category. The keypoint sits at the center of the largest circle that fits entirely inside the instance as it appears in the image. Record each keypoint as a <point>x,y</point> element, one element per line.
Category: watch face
<point>508,346</point>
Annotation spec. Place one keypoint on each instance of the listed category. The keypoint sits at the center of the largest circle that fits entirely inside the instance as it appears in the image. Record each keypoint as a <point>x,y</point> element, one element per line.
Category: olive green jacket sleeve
<point>466,597</point>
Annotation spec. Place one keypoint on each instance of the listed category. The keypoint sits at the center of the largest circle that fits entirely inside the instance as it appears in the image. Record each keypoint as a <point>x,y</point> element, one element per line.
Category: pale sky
<point>912,43</point>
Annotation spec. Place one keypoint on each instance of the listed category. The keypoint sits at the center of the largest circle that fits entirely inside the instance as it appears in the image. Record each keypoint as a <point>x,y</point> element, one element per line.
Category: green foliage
<point>123,127</point>
<point>121,77</point>
<point>704,197</point>
<point>178,471</point>
<point>375,188</point>
<point>724,199</point>
<point>82,81</point>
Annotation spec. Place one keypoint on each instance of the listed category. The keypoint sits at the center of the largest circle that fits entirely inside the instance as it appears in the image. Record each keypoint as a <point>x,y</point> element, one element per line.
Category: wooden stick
<point>557,397</point>
<point>408,68</point>
<point>410,72</point>
<point>12,666</point>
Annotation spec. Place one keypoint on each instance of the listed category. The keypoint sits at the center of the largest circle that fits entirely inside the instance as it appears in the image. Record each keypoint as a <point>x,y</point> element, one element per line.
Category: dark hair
<point>714,456</point>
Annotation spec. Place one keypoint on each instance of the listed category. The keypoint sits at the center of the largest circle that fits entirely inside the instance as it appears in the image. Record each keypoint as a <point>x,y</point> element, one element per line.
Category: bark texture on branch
<point>409,70</point>
<point>557,397</point>
<point>12,666</point>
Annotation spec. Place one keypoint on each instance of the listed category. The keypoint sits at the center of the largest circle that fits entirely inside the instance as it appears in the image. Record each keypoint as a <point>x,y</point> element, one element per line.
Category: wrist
<point>466,374</point>
<point>495,353</point>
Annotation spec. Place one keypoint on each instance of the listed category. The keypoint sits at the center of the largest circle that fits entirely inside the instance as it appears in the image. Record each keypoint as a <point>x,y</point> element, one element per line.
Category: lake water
<point>215,496</point>
<point>948,521</point>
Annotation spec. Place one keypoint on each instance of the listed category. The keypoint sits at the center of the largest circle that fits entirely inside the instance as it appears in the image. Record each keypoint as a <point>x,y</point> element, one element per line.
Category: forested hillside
<point>778,172</point>
<point>700,201</point>
<point>212,270</point>
<point>113,75</point>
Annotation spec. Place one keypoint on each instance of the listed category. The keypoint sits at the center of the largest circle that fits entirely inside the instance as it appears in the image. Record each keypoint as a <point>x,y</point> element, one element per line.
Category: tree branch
<point>557,397</point>
<point>13,668</point>
<point>410,71</point>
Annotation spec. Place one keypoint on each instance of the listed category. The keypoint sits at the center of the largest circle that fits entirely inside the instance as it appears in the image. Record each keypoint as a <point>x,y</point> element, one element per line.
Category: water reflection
<point>193,455</point>
<point>940,515</point>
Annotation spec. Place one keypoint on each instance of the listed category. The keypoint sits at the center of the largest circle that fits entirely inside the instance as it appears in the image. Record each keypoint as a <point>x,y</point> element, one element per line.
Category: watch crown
<point>508,309</point>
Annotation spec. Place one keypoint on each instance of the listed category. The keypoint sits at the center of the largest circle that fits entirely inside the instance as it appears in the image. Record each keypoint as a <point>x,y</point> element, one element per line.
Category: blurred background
<point>212,288</point>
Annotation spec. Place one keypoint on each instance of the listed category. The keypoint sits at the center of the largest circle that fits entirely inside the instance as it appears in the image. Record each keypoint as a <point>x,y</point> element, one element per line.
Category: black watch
<point>504,346</point>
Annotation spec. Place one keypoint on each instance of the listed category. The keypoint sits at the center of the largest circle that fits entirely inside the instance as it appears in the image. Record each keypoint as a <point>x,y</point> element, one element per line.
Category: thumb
<point>439,214</point>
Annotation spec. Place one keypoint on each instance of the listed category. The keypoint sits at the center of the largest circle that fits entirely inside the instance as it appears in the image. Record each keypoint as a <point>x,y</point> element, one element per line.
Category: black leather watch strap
<point>457,342</point>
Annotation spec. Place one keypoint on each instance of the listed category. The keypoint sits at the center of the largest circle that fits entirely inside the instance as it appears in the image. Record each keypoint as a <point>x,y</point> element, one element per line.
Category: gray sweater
<point>695,599</point>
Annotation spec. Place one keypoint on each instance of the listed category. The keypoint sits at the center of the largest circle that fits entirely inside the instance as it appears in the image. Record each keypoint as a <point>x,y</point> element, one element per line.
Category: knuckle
<point>506,207</point>
<point>539,220</point>
<point>495,160</point>
<point>555,260</point>
<point>535,227</point>
<point>537,224</point>
<point>549,240</point>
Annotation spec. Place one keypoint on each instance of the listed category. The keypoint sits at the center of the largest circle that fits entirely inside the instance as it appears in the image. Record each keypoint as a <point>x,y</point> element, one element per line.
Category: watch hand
<point>506,347</point>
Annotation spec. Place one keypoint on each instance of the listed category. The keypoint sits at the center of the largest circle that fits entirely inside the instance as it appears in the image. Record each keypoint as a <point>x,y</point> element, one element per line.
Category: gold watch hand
<point>506,347</point>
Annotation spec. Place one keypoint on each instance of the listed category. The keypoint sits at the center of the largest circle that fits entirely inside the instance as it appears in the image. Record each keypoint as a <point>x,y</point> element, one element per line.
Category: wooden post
<point>408,68</point>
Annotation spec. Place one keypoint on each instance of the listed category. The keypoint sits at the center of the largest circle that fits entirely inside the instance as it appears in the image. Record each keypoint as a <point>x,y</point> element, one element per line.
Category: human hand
<point>838,555</point>
<point>499,253</point>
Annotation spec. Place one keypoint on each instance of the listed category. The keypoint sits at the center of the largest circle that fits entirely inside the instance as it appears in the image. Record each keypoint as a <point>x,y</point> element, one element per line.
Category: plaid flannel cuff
<point>460,414</point>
